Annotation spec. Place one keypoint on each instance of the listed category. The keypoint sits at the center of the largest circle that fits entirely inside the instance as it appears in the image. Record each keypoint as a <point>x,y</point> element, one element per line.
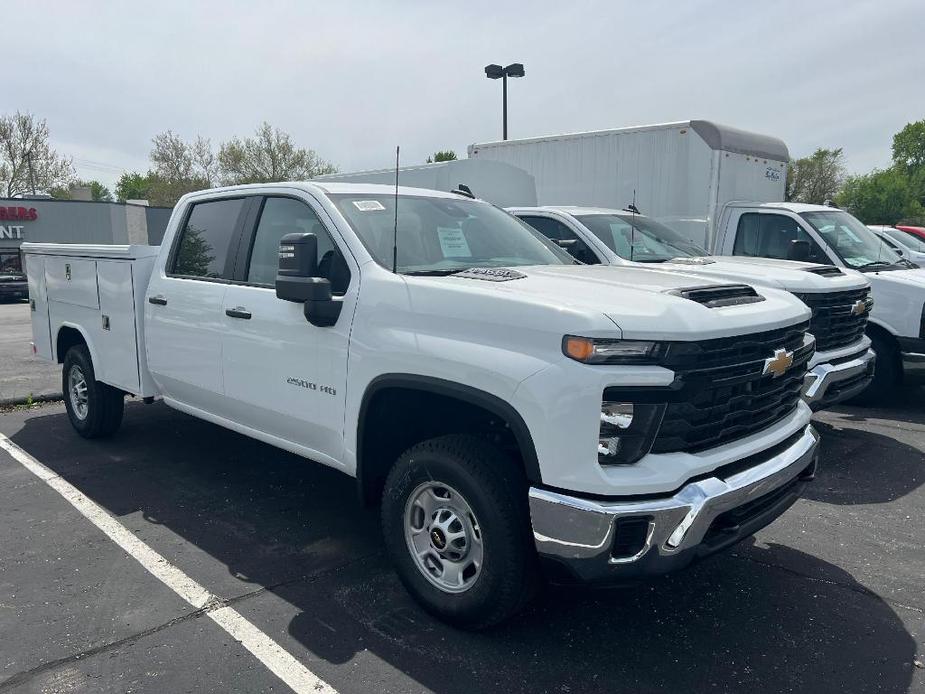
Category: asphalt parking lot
<point>21,375</point>
<point>829,598</point>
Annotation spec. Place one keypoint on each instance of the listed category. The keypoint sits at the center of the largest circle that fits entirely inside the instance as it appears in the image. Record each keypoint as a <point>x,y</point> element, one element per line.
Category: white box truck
<point>495,182</point>
<point>680,174</point>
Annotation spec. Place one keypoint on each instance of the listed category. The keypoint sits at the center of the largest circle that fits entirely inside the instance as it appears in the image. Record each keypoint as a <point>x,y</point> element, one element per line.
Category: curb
<point>22,400</point>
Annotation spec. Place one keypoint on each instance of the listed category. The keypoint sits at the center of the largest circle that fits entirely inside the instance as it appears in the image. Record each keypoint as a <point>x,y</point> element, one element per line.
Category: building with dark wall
<point>76,221</point>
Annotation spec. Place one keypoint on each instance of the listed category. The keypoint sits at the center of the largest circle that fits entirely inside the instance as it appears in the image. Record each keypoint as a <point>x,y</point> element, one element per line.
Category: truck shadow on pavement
<point>863,467</point>
<point>766,618</point>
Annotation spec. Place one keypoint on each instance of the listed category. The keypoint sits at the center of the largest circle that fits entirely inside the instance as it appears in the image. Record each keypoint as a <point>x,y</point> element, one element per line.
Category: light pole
<point>494,72</point>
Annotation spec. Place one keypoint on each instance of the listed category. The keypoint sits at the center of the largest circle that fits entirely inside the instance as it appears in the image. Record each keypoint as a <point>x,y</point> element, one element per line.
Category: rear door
<point>184,309</point>
<point>284,376</point>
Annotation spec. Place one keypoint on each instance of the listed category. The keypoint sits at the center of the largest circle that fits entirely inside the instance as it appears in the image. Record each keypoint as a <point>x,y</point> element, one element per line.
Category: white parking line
<point>278,660</point>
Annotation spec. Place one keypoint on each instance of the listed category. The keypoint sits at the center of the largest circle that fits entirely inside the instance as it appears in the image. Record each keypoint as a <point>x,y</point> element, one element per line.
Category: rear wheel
<point>456,525</point>
<point>95,409</point>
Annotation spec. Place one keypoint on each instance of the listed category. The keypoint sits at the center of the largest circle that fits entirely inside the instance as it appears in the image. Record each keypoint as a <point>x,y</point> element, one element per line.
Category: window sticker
<point>368,205</point>
<point>453,243</point>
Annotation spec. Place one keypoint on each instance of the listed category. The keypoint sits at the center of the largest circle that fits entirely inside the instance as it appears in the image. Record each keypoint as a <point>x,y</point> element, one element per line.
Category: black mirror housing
<point>799,250</point>
<point>297,280</point>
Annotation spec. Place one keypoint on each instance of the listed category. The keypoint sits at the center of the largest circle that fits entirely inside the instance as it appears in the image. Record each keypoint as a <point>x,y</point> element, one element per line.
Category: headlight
<point>597,351</point>
<point>627,431</point>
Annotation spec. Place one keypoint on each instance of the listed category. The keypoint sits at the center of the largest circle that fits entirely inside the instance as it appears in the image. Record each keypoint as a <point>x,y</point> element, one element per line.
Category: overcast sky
<point>353,79</point>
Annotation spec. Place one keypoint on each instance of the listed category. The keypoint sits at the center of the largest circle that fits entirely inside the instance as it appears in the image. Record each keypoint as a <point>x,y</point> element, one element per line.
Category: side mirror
<point>899,252</point>
<point>799,250</point>
<point>297,279</point>
<point>565,243</point>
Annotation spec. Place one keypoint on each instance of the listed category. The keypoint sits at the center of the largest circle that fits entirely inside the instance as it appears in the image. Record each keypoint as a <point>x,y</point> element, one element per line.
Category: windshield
<point>639,238</point>
<point>443,235</point>
<point>10,262</point>
<point>906,239</point>
<point>854,243</point>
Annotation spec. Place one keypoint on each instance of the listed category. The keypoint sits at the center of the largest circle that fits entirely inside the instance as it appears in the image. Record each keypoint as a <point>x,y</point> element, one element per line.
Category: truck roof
<point>715,135</point>
<point>796,207</point>
<point>332,187</point>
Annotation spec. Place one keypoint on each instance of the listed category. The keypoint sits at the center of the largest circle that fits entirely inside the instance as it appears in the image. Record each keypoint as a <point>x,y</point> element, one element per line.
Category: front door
<point>284,376</point>
<point>184,305</point>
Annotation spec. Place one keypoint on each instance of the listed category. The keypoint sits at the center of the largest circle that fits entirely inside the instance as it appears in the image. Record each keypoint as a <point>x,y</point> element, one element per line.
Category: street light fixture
<point>494,72</point>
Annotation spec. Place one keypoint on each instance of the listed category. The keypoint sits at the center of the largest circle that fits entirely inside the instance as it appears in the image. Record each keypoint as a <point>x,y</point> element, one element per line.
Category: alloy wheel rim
<point>77,392</point>
<point>444,537</point>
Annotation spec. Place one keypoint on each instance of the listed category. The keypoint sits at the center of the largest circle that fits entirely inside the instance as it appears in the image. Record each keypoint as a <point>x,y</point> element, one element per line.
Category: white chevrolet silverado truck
<point>843,365</point>
<point>515,414</point>
<point>829,235</point>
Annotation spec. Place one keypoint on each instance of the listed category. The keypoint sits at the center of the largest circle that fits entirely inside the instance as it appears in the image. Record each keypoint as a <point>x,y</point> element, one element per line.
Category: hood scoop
<point>719,295</point>
<point>491,274</point>
<point>825,270</point>
<point>692,261</point>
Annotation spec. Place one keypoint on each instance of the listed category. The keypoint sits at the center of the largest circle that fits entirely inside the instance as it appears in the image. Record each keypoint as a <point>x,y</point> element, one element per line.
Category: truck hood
<point>638,301</point>
<point>913,279</point>
<point>782,274</point>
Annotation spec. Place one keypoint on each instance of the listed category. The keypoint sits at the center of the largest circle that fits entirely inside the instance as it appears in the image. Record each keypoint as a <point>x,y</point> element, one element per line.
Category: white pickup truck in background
<point>843,365</point>
<point>828,235</point>
<point>508,408</point>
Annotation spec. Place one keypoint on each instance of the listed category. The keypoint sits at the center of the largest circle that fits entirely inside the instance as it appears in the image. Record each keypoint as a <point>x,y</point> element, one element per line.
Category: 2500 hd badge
<point>311,386</point>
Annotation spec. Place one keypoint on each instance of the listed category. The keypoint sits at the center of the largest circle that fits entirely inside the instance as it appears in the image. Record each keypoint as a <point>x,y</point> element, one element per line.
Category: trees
<point>28,164</point>
<point>267,157</point>
<point>909,147</point>
<point>442,155</point>
<point>816,178</point>
<point>98,191</point>
<point>881,197</point>
<point>132,186</point>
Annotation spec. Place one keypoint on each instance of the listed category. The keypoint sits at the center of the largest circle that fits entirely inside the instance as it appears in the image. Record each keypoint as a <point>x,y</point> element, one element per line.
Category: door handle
<point>238,312</point>
<point>159,300</point>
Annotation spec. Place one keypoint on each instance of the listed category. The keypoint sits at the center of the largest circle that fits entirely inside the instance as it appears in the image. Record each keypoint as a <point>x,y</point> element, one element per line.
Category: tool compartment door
<point>38,303</point>
<point>72,281</point>
<point>117,342</point>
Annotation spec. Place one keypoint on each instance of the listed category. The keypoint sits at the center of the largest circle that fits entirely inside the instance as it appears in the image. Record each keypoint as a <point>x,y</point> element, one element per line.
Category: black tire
<point>496,490</point>
<point>104,404</point>
<point>887,374</point>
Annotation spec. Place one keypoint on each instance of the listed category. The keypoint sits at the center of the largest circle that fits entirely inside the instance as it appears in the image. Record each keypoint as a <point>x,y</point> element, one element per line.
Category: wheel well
<point>395,416</point>
<point>67,338</point>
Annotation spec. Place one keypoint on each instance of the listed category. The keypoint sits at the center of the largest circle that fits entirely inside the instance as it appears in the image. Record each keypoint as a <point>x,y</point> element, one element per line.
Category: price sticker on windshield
<point>368,205</point>
<point>453,243</point>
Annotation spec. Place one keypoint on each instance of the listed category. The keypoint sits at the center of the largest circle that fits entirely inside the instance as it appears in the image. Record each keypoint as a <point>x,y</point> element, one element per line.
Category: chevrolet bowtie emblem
<point>779,363</point>
<point>859,308</point>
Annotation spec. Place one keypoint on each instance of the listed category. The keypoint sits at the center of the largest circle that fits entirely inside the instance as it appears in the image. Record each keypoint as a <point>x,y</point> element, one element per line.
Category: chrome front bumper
<point>831,382</point>
<point>583,536</point>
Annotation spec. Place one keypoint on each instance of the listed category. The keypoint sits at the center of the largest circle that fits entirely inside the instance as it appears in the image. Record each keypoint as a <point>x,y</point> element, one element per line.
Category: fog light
<point>616,414</point>
<point>626,431</point>
<point>608,446</point>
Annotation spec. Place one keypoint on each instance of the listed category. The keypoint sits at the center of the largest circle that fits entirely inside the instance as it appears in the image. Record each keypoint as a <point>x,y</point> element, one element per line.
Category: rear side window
<point>205,242</point>
<point>772,236</point>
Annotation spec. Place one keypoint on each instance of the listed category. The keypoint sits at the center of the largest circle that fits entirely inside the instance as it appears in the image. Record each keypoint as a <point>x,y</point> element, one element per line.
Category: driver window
<point>564,237</point>
<point>281,216</point>
<point>772,236</point>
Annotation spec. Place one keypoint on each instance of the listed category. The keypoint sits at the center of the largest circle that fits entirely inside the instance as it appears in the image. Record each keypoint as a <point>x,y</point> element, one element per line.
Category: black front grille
<point>835,323</point>
<point>720,392</point>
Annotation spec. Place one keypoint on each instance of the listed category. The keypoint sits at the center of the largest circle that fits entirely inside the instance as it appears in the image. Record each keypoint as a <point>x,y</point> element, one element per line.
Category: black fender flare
<point>451,389</point>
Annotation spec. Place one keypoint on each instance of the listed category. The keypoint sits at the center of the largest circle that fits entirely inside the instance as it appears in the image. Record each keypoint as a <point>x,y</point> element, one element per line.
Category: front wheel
<point>95,409</point>
<point>887,374</point>
<point>456,526</point>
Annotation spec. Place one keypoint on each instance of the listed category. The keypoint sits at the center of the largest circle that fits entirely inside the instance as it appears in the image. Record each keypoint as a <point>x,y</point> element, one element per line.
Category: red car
<point>915,231</point>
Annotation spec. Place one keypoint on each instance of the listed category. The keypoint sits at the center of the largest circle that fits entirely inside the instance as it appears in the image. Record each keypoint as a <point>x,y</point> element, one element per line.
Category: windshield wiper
<point>874,263</point>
